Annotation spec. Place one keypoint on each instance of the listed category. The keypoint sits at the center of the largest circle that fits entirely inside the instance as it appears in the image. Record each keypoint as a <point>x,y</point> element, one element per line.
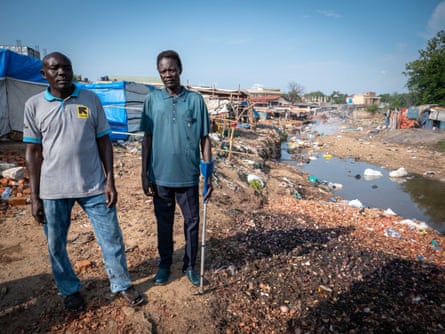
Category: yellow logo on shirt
<point>82,112</point>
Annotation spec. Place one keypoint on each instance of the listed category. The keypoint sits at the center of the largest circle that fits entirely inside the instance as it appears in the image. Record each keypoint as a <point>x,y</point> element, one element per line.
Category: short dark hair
<point>53,54</point>
<point>170,54</point>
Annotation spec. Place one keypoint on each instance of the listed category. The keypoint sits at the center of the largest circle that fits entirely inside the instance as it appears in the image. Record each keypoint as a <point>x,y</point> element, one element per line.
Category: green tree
<point>426,80</point>
<point>314,96</point>
<point>372,108</point>
<point>385,98</point>
<point>396,100</point>
<point>338,98</point>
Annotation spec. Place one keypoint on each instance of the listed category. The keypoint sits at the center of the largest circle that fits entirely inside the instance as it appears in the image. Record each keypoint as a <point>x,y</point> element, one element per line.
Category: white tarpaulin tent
<point>19,79</point>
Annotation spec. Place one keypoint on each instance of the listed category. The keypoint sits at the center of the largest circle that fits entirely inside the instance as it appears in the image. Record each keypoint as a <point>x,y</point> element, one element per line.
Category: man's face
<point>58,71</point>
<point>169,73</point>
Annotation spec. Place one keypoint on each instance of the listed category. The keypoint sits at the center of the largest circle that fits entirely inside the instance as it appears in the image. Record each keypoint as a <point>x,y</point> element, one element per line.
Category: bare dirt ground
<point>283,259</point>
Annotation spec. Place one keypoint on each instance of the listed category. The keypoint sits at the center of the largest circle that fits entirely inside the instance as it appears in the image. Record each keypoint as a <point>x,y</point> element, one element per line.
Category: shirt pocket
<point>191,129</point>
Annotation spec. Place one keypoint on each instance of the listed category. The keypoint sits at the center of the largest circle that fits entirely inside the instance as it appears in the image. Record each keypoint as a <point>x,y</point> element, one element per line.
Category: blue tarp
<point>109,93</point>
<point>116,98</point>
<point>113,95</point>
<point>413,113</point>
<point>20,67</point>
<point>20,79</point>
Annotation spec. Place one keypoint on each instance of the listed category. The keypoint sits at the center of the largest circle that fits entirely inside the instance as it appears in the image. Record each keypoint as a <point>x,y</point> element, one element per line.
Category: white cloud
<point>329,13</point>
<point>437,19</point>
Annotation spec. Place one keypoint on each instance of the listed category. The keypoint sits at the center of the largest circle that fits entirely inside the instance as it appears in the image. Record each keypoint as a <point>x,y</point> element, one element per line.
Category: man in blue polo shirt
<point>69,156</point>
<point>176,129</point>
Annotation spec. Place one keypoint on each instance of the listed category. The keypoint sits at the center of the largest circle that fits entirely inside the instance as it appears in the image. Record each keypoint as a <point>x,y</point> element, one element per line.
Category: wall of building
<point>23,50</point>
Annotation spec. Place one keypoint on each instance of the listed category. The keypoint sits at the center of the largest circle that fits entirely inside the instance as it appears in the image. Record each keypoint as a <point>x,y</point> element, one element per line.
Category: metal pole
<point>203,246</point>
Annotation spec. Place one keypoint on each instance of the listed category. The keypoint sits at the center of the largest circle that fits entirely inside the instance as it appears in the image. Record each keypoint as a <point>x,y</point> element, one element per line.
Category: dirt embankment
<point>281,259</point>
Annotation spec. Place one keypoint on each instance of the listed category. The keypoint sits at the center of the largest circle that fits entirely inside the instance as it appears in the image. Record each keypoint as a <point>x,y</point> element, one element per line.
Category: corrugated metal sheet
<point>437,114</point>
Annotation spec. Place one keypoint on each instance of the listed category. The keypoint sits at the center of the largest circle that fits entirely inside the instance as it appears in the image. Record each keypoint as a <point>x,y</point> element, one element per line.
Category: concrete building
<point>23,50</point>
<point>363,99</point>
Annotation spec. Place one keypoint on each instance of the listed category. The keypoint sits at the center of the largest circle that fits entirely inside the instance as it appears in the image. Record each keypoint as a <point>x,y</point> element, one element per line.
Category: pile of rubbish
<point>14,188</point>
<point>303,267</point>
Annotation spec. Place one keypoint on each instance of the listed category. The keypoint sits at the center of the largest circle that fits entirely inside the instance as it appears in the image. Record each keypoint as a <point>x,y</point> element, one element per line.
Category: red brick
<point>83,265</point>
<point>17,201</point>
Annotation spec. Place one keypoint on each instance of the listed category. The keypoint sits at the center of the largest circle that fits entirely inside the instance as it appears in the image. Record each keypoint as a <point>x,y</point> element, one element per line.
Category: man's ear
<point>42,73</point>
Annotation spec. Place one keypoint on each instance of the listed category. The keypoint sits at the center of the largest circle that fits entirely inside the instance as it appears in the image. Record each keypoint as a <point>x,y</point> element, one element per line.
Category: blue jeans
<point>108,234</point>
<point>164,206</point>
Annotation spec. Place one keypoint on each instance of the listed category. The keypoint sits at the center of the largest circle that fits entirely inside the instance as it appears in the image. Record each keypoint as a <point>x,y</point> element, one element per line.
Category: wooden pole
<point>231,141</point>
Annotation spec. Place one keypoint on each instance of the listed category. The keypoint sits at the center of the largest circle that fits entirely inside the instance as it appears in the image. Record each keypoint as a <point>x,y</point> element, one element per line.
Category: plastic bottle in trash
<point>313,179</point>
<point>436,245</point>
<point>6,193</point>
<point>392,233</point>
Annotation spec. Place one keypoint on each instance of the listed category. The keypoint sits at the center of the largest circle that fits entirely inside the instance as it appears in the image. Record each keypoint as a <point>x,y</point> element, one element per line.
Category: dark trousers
<point>164,206</point>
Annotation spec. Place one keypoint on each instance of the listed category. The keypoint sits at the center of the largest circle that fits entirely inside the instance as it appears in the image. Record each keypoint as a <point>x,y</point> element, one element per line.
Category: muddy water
<point>414,197</point>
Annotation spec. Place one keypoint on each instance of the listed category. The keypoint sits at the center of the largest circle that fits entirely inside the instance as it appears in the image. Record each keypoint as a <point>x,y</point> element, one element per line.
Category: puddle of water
<point>414,197</point>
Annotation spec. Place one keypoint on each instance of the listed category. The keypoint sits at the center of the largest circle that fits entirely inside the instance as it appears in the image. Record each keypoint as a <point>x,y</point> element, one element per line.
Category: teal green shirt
<point>176,124</point>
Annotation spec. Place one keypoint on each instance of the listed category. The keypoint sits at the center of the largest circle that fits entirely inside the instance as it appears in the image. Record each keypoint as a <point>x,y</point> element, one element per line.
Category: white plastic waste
<point>355,203</point>
<point>372,172</point>
<point>389,212</point>
<point>401,172</point>
<point>389,232</point>
<point>333,185</point>
<point>15,173</point>
<point>418,225</point>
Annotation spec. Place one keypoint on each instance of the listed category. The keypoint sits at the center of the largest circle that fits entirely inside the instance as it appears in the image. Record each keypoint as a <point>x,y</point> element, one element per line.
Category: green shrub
<point>441,146</point>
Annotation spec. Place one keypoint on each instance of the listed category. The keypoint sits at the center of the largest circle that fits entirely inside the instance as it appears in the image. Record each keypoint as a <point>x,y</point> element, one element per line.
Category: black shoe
<point>193,277</point>
<point>132,296</point>
<point>162,276</point>
<point>74,302</point>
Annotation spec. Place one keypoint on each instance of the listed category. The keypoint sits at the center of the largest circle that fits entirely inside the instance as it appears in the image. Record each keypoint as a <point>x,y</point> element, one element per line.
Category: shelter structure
<point>122,102</point>
<point>428,116</point>
<point>20,78</point>
<point>227,106</point>
<point>437,117</point>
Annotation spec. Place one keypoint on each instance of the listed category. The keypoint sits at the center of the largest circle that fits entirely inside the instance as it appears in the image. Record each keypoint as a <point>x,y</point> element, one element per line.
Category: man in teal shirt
<point>176,129</point>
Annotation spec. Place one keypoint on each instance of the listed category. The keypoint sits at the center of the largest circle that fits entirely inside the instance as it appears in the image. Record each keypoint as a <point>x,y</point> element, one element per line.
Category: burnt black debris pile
<point>303,268</point>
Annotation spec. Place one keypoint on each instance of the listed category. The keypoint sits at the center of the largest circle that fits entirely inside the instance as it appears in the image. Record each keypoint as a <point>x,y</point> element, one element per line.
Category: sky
<point>347,46</point>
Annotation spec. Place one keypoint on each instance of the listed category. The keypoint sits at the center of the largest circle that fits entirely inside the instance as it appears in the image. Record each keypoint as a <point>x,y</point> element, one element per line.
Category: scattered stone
<point>83,265</point>
<point>83,238</point>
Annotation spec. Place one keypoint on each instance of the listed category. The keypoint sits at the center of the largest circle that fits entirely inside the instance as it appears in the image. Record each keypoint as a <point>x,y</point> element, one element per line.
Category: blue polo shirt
<point>67,130</point>
<point>176,124</point>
